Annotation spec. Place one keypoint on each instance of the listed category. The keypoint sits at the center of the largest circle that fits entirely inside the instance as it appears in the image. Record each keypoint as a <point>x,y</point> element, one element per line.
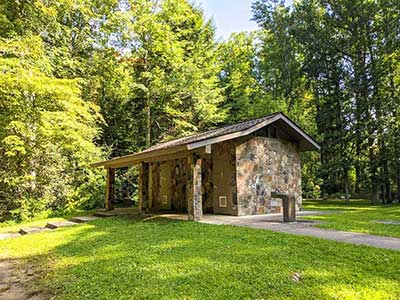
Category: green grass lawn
<point>15,227</point>
<point>358,216</point>
<point>122,258</point>
<point>12,226</point>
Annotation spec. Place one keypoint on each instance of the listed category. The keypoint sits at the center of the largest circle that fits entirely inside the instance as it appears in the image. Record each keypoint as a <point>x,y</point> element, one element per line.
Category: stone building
<point>230,170</point>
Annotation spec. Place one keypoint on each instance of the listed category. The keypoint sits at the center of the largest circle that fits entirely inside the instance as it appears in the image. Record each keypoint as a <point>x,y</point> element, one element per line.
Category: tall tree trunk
<point>383,192</point>
<point>324,179</point>
<point>357,187</point>
<point>346,186</point>
<point>386,183</point>
<point>398,180</point>
<point>374,176</point>
<point>148,122</point>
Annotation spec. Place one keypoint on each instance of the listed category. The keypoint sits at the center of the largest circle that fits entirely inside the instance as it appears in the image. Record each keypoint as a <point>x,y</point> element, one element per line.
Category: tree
<point>342,50</point>
<point>171,86</point>
<point>46,135</point>
<point>241,81</point>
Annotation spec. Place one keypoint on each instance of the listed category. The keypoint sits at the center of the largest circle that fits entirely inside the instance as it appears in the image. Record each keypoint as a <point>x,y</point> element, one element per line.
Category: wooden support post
<point>143,183</point>
<point>110,189</point>
<point>193,188</point>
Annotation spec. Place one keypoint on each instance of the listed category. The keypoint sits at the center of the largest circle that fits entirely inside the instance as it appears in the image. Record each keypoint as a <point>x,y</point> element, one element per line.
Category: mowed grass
<point>12,226</point>
<point>358,216</point>
<point>132,258</point>
<point>15,227</point>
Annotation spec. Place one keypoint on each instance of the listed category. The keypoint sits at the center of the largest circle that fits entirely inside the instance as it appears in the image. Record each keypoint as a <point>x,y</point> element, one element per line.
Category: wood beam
<point>110,189</point>
<point>143,183</point>
<point>132,159</point>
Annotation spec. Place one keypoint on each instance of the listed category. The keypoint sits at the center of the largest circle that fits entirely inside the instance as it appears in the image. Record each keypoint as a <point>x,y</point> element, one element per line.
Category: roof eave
<point>308,138</point>
<point>280,116</point>
<point>133,159</point>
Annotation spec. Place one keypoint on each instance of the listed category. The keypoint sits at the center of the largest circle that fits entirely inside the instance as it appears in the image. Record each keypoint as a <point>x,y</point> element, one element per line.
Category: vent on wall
<point>222,201</point>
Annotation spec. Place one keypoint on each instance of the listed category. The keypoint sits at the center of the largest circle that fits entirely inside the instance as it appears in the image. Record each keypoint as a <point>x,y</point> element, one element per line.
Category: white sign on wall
<point>273,202</point>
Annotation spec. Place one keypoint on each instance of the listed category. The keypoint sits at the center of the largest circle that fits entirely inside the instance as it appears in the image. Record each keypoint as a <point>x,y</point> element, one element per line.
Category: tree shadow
<point>133,258</point>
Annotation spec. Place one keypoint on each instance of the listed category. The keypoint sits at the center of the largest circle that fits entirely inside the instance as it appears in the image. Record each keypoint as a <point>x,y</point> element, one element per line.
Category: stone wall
<point>194,188</point>
<point>264,165</point>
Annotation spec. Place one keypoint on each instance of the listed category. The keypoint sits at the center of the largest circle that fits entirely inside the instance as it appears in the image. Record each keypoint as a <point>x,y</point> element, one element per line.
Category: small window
<point>164,199</point>
<point>222,201</point>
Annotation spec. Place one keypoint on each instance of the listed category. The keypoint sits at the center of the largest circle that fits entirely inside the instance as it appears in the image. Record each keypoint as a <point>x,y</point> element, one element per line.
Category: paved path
<point>307,228</point>
<point>303,227</point>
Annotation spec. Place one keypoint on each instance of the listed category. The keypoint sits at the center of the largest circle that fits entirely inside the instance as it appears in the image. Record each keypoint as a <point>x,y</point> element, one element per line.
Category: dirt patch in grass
<point>16,282</point>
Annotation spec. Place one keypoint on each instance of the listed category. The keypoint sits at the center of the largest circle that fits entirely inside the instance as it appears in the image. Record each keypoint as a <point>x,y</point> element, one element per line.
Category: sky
<point>229,15</point>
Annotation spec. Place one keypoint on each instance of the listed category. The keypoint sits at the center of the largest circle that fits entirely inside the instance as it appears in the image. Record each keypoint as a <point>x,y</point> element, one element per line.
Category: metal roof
<point>209,134</point>
<point>209,137</point>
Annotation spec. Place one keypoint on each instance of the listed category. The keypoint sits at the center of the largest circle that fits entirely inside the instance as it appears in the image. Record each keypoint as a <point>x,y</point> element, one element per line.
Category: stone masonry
<point>264,165</point>
<point>194,188</point>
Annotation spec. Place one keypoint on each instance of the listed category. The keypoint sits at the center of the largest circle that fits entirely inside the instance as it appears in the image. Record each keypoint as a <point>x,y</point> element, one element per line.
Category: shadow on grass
<point>132,258</point>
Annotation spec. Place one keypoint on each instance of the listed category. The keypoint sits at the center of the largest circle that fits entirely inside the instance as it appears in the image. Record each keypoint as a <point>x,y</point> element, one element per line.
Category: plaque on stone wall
<point>273,203</point>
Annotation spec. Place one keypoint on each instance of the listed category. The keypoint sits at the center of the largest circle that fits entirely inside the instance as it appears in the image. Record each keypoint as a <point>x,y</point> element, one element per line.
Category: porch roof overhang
<point>198,142</point>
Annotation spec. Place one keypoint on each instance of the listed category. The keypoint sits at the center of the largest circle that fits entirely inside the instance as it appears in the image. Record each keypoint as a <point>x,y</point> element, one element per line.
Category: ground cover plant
<point>134,258</point>
<point>358,216</point>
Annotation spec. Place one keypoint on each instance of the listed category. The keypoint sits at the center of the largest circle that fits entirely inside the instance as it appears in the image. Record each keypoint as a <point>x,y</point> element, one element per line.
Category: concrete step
<point>103,214</point>
<point>84,219</point>
<point>55,225</point>
<point>30,230</point>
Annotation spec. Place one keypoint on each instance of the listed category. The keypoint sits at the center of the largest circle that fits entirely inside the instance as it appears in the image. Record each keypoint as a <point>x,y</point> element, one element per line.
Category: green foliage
<point>258,79</point>
<point>341,56</point>
<point>46,134</point>
<point>111,75</point>
<point>164,74</point>
<point>244,93</point>
<point>83,77</point>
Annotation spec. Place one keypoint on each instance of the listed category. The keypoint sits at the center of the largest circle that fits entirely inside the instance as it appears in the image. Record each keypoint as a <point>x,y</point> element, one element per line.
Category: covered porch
<point>168,182</point>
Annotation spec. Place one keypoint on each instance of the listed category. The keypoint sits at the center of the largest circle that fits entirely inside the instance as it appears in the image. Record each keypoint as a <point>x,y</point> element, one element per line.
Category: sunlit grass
<point>358,216</point>
<point>121,258</point>
<point>15,227</point>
